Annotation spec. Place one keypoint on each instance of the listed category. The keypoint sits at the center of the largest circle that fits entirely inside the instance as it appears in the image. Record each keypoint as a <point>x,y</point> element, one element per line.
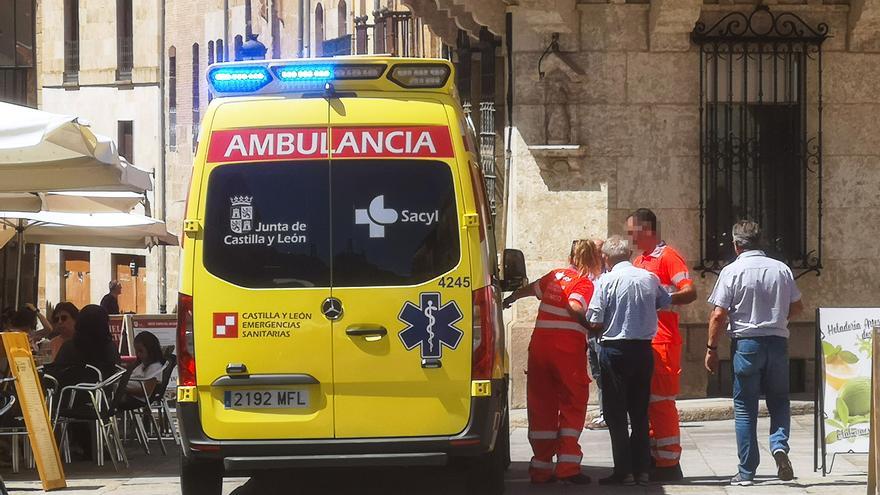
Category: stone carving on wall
<point>557,117</point>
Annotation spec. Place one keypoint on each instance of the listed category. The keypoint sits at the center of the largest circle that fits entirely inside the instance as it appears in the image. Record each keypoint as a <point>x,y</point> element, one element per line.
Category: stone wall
<point>101,101</point>
<point>631,118</point>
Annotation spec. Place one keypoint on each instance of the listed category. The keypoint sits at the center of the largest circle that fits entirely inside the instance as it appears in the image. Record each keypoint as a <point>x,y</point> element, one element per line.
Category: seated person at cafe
<point>148,367</point>
<point>64,322</point>
<point>91,344</point>
<point>25,320</point>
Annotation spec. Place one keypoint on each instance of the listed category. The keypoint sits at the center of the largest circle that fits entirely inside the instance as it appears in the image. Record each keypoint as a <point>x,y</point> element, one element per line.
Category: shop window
<point>131,272</point>
<point>76,278</point>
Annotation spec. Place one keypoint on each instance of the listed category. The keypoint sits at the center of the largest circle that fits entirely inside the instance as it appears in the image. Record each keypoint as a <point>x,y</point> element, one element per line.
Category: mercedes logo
<point>332,308</point>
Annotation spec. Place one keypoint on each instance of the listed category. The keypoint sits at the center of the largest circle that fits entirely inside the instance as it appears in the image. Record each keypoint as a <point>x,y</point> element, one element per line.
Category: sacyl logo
<point>241,215</point>
<point>376,216</point>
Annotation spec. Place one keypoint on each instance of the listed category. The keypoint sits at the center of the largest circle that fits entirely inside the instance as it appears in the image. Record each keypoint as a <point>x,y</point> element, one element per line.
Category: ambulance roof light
<point>298,73</point>
<point>420,75</point>
<point>239,79</point>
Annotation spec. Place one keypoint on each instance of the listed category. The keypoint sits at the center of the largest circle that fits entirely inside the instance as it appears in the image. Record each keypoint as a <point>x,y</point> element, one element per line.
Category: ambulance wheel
<point>199,477</point>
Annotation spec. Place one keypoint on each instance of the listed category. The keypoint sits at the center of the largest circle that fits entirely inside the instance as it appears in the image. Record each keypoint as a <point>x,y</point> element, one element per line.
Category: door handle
<point>370,332</point>
<point>234,368</point>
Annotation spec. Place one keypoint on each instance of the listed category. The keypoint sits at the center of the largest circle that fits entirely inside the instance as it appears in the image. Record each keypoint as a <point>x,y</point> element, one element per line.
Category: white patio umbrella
<point>120,230</point>
<point>42,151</point>
<point>72,202</point>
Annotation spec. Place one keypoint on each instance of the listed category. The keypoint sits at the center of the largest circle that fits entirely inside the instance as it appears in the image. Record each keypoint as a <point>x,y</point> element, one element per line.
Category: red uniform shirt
<point>669,266</point>
<point>555,290</point>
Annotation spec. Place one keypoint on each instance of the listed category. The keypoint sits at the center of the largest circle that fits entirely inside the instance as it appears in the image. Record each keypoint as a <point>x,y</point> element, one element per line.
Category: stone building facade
<point>100,60</point>
<point>627,115</point>
<point>597,108</point>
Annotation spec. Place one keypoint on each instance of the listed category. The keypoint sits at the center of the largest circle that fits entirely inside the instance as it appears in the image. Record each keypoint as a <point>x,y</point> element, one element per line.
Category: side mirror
<point>514,270</point>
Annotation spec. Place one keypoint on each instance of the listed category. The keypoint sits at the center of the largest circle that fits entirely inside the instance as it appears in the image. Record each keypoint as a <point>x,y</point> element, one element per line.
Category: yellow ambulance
<point>340,291</point>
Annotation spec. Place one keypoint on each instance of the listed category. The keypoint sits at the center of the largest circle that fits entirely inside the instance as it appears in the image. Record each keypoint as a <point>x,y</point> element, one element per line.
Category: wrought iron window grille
<point>761,135</point>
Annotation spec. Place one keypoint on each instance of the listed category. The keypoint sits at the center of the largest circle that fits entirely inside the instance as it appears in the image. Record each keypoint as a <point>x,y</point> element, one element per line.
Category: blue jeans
<point>760,364</point>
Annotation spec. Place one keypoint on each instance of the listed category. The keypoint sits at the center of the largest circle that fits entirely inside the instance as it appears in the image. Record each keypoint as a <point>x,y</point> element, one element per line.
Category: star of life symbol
<point>376,216</point>
<point>430,325</point>
<point>241,214</point>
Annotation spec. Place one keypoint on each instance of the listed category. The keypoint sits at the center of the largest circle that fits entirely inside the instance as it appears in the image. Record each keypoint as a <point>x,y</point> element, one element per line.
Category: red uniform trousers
<point>662,413</point>
<point>558,388</point>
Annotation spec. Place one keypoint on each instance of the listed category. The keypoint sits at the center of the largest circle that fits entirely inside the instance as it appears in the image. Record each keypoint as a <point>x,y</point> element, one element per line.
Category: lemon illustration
<point>838,372</point>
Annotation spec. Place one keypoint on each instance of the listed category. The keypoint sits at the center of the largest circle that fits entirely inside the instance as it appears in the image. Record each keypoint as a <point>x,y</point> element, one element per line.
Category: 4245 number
<point>450,282</point>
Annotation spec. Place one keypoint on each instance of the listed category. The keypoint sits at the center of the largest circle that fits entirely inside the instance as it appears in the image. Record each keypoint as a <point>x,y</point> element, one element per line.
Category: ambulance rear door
<point>401,271</point>
<point>262,272</point>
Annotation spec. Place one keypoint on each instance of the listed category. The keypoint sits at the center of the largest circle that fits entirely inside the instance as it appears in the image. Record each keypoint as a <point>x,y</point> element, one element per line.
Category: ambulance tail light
<point>186,358</point>
<point>420,75</point>
<point>487,322</point>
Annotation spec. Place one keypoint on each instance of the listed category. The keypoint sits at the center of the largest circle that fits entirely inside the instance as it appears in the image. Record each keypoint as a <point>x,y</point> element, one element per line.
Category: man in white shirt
<point>624,309</point>
<point>757,296</point>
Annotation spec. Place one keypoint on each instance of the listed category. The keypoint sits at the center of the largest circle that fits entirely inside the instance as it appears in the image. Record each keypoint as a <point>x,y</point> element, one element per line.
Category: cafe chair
<point>143,410</point>
<point>103,400</point>
<point>159,400</point>
<point>7,400</point>
<point>14,428</point>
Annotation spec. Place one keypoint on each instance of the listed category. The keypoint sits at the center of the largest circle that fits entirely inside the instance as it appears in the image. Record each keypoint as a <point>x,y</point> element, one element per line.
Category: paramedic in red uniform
<point>558,385</point>
<point>665,262</point>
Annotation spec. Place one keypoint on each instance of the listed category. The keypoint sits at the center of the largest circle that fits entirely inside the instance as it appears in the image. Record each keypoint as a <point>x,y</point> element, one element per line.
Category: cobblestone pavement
<point>708,460</point>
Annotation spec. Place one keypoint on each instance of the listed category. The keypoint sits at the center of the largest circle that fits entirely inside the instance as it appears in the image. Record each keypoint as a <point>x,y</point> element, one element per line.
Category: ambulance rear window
<point>394,222</point>
<point>267,225</point>
<point>391,222</point>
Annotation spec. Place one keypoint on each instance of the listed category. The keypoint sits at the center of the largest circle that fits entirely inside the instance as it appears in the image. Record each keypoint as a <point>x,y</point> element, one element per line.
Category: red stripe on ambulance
<point>347,142</point>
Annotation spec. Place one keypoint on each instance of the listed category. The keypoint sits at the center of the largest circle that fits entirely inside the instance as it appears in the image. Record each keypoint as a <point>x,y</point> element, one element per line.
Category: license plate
<point>265,399</point>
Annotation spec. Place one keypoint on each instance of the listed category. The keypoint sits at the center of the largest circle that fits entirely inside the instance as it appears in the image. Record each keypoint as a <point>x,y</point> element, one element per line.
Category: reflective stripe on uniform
<point>553,310</point>
<point>579,298</point>
<point>537,288</point>
<point>666,454</point>
<point>543,435</point>
<point>678,277</point>
<point>661,398</point>
<point>670,288</point>
<point>541,464</point>
<point>574,459</point>
<point>570,432</point>
<point>560,325</point>
<point>663,442</point>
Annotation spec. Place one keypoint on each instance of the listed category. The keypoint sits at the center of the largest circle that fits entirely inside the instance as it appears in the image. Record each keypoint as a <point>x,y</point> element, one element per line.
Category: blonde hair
<point>586,257</point>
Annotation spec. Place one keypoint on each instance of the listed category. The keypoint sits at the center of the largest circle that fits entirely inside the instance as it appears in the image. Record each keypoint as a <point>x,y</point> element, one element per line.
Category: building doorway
<point>77,285</point>
<point>131,272</point>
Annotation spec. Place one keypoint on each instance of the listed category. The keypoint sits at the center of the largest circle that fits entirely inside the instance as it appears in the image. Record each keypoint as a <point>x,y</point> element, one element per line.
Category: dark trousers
<point>626,368</point>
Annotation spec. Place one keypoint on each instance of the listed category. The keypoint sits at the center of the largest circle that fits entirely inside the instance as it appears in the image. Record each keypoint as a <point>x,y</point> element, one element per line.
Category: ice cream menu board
<point>845,335</point>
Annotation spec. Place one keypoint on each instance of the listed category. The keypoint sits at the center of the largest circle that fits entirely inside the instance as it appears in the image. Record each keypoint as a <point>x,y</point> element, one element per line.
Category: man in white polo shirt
<point>757,295</point>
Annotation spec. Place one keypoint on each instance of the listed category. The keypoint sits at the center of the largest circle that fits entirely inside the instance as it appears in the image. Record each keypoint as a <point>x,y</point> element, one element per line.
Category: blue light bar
<point>303,73</point>
<point>244,79</point>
